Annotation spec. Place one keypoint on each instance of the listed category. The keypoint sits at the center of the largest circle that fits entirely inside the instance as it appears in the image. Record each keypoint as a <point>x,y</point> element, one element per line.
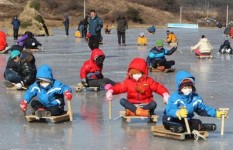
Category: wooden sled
<point>67,116</point>
<point>80,87</point>
<point>15,88</point>
<point>153,118</point>
<point>165,70</point>
<point>205,57</point>
<point>160,131</point>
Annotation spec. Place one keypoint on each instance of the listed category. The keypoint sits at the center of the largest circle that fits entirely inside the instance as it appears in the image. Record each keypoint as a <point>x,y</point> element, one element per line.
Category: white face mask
<point>137,76</point>
<point>44,84</point>
<point>186,91</point>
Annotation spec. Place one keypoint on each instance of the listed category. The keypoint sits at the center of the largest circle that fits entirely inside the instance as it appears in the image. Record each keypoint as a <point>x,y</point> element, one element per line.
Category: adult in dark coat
<point>122,25</point>
<point>66,23</point>
<point>16,24</point>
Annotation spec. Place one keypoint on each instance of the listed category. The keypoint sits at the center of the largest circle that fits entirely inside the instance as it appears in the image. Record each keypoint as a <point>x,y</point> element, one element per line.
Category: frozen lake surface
<point>91,128</point>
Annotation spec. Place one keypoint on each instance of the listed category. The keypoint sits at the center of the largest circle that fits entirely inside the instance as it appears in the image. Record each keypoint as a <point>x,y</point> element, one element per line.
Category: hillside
<point>158,12</point>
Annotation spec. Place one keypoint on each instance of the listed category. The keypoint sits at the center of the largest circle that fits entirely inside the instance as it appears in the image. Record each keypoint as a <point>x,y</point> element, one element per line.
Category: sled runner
<point>205,57</point>
<point>153,118</point>
<point>80,87</point>
<point>165,70</point>
<point>160,131</point>
<point>66,116</point>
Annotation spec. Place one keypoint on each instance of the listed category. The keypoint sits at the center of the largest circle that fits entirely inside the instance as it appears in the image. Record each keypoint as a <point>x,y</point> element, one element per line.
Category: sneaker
<point>142,112</point>
<point>177,129</point>
<point>41,112</point>
<point>209,127</point>
<point>9,84</point>
<point>123,44</point>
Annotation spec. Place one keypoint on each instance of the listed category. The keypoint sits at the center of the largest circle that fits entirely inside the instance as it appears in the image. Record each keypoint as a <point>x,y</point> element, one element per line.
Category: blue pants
<point>12,76</point>
<point>151,106</point>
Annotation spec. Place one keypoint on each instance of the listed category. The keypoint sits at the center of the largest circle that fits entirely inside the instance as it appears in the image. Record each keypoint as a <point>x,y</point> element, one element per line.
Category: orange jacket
<point>171,38</point>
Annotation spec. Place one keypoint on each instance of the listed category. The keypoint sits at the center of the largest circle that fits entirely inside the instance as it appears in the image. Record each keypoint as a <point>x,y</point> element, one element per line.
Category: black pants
<point>55,110</point>
<point>16,31</point>
<point>67,30</point>
<point>121,35</point>
<point>151,106</point>
<point>100,82</point>
<point>167,64</point>
<point>195,124</point>
<point>94,41</point>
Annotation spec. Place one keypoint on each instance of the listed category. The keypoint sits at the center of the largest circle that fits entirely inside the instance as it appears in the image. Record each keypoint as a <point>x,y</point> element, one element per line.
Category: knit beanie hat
<point>187,82</point>
<point>159,43</point>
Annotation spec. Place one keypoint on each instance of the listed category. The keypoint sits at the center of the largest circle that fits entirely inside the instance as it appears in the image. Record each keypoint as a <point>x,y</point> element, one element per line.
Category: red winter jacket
<point>90,70</point>
<point>148,84</point>
<point>3,43</point>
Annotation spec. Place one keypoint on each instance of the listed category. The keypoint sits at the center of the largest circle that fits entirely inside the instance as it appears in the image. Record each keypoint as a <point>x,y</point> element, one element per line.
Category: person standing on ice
<point>91,71</point>
<point>50,94</point>
<point>184,103</point>
<point>203,47</point>
<point>139,88</point>
<point>66,23</point>
<point>95,26</point>
<point>122,25</point>
<point>16,24</point>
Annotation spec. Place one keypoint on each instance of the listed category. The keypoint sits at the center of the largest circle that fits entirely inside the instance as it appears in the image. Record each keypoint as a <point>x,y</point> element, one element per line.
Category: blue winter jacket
<point>16,23</point>
<point>193,102</point>
<point>160,54</point>
<point>46,95</point>
<point>95,25</point>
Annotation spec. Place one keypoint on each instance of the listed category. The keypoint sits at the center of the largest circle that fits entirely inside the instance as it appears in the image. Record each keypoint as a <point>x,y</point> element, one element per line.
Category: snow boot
<point>142,112</point>
<point>177,129</point>
<point>208,127</point>
<point>41,112</point>
<point>129,113</point>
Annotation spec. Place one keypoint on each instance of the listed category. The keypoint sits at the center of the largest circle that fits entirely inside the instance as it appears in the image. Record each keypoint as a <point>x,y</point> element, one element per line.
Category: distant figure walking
<point>16,24</point>
<point>66,24</point>
<point>122,25</point>
<point>95,26</point>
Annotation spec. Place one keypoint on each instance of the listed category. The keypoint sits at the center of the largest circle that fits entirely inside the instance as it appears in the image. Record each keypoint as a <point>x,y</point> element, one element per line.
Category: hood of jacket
<point>181,75</point>
<point>204,40</point>
<point>45,71</point>
<point>2,35</point>
<point>96,53</point>
<point>139,64</point>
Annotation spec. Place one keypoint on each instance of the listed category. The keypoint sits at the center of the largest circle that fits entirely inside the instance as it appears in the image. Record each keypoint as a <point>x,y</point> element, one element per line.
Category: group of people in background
<point>21,71</point>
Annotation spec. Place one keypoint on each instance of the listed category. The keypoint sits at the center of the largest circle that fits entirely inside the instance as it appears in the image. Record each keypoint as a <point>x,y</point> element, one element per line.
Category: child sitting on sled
<point>91,71</point>
<point>50,93</point>
<point>184,103</point>
<point>139,88</point>
<point>156,57</point>
<point>203,47</point>
<point>226,48</point>
<point>142,40</point>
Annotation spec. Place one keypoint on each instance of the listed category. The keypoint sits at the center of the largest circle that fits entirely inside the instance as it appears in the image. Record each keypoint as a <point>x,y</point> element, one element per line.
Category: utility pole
<point>180,14</point>
<point>84,8</point>
<point>227,17</point>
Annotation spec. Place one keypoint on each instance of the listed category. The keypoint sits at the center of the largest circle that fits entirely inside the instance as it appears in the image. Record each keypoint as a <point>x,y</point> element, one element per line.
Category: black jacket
<point>26,68</point>
<point>122,24</point>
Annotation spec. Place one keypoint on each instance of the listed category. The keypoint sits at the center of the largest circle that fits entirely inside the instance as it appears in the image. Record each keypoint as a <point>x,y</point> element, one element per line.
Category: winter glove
<point>84,82</point>
<point>109,95</point>
<point>182,113</point>
<point>68,95</point>
<point>88,35</point>
<point>23,105</point>
<point>18,86</point>
<point>219,114</point>
<point>165,98</point>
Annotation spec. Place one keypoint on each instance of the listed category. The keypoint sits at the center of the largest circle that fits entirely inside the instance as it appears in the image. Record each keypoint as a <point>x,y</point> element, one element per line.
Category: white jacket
<point>203,46</point>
